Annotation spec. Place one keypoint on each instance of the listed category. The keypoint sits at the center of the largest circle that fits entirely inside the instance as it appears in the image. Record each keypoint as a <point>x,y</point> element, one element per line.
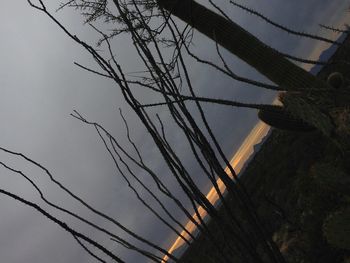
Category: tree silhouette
<point>239,233</point>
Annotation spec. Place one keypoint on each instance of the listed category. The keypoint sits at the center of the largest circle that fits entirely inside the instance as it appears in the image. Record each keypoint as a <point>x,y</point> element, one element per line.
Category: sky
<point>255,136</point>
<point>40,87</point>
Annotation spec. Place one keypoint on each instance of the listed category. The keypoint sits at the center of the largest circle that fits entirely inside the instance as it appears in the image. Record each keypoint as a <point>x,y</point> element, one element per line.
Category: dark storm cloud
<point>40,86</point>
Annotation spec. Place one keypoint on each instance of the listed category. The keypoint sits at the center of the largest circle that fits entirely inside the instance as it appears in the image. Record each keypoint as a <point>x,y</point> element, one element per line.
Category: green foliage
<point>278,117</point>
<point>341,119</point>
<point>310,109</point>
<point>314,107</point>
<point>331,177</point>
<point>289,169</point>
<point>321,109</point>
<point>336,228</point>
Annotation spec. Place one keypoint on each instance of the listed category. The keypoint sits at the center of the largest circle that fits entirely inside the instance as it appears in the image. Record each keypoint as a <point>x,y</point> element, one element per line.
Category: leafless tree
<point>155,34</point>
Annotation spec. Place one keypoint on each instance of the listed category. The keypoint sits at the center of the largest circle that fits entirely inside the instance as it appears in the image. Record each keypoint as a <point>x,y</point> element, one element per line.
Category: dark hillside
<point>300,185</point>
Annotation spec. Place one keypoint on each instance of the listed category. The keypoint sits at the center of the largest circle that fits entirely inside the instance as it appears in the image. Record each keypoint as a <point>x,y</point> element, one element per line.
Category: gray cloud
<point>39,88</point>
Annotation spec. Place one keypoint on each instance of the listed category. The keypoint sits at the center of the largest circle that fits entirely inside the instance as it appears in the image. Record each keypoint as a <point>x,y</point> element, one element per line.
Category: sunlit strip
<point>247,147</point>
<point>237,162</point>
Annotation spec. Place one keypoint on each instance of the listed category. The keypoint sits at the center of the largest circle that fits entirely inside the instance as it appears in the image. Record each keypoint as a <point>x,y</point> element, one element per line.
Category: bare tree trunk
<point>255,53</point>
<point>243,44</point>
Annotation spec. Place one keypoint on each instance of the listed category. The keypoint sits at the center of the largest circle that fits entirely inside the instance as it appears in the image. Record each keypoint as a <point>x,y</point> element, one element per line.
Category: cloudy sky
<point>40,87</point>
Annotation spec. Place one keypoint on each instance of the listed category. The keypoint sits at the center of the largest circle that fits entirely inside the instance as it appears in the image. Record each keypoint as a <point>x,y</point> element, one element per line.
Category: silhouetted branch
<point>168,75</point>
<point>85,204</point>
<point>338,30</point>
<point>63,225</point>
<point>89,250</point>
<point>92,71</point>
<point>284,28</point>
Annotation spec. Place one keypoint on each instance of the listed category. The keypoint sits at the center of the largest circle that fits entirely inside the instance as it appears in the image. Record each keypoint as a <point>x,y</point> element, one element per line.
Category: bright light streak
<point>247,147</point>
<point>237,162</point>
